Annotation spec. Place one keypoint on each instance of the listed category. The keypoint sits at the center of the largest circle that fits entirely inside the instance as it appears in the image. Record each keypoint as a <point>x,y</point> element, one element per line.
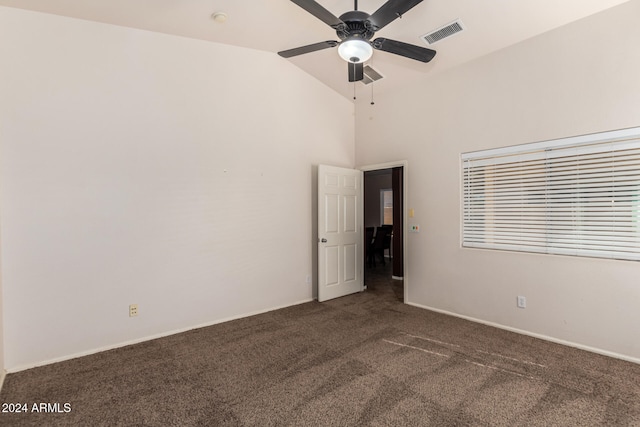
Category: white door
<point>340,239</point>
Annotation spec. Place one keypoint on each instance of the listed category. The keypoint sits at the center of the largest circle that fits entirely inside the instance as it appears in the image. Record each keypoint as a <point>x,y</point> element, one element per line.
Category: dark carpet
<point>362,360</point>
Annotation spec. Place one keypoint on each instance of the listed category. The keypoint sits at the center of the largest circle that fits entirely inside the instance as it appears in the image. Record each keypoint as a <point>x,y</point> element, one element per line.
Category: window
<point>386,207</point>
<point>573,196</point>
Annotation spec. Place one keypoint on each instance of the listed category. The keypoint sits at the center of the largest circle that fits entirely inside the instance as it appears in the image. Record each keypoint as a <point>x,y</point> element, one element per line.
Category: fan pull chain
<point>354,90</point>
<point>372,81</point>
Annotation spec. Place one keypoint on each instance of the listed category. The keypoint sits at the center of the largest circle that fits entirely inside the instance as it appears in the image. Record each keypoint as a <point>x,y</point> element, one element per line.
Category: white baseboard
<point>3,375</point>
<point>533,334</point>
<point>147,338</point>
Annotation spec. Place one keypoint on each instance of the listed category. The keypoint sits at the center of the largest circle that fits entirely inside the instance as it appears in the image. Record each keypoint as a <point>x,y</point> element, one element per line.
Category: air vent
<point>370,75</point>
<point>443,32</point>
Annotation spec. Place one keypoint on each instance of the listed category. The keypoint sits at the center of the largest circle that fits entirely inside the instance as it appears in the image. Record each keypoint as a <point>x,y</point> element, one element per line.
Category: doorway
<point>384,219</point>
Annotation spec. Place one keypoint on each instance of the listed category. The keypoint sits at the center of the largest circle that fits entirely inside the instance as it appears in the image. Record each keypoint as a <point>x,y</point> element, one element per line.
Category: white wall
<point>144,168</point>
<point>581,78</point>
<point>2,364</point>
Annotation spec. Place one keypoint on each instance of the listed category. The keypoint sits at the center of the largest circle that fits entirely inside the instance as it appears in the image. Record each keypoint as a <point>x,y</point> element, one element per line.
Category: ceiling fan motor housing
<point>356,25</point>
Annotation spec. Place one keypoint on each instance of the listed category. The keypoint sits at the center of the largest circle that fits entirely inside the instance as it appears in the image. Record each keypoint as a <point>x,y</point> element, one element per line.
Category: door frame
<point>405,191</point>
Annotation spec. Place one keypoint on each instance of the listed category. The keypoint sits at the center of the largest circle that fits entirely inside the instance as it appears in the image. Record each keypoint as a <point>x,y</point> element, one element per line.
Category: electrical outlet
<point>522,302</point>
<point>133,310</point>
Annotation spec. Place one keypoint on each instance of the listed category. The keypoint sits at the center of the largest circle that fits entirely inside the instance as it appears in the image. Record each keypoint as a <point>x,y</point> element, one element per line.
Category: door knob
<point>323,240</point>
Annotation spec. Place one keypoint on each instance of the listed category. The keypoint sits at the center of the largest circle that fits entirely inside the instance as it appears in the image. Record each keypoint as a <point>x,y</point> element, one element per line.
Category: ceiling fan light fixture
<point>355,50</point>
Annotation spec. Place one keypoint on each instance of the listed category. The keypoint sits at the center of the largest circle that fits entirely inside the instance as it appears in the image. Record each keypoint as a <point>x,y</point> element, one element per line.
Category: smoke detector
<point>220,17</point>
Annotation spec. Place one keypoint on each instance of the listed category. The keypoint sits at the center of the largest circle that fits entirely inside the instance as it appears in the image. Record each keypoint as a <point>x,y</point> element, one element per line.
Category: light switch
<point>414,229</point>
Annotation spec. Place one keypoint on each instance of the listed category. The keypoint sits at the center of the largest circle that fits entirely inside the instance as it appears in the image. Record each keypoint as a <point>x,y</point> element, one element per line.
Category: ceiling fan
<point>355,30</point>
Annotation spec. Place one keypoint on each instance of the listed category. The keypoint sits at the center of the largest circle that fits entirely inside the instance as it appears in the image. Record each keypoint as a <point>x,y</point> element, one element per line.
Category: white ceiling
<point>275,25</point>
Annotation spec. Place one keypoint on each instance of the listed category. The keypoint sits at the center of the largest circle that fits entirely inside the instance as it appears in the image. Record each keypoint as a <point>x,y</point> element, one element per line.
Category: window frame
<point>553,222</point>
<point>383,191</point>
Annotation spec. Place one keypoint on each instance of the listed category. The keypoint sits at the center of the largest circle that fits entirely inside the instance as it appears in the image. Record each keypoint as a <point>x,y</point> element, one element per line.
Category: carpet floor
<point>361,360</point>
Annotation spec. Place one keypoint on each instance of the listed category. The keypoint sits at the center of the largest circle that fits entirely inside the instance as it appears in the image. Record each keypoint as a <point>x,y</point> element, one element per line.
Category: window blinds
<point>575,196</point>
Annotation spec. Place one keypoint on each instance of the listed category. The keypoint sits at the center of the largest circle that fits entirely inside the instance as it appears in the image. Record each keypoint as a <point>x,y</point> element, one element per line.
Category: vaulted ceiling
<point>276,25</point>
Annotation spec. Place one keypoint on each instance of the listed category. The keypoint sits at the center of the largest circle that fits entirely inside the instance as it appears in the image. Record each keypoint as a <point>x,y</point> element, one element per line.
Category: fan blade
<point>321,13</point>
<point>356,71</point>
<point>389,11</point>
<point>404,49</point>
<point>308,49</point>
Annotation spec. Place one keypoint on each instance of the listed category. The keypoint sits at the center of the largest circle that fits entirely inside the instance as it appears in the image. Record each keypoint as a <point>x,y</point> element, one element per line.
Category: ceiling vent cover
<point>371,75</point>
<point>443,32</point>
